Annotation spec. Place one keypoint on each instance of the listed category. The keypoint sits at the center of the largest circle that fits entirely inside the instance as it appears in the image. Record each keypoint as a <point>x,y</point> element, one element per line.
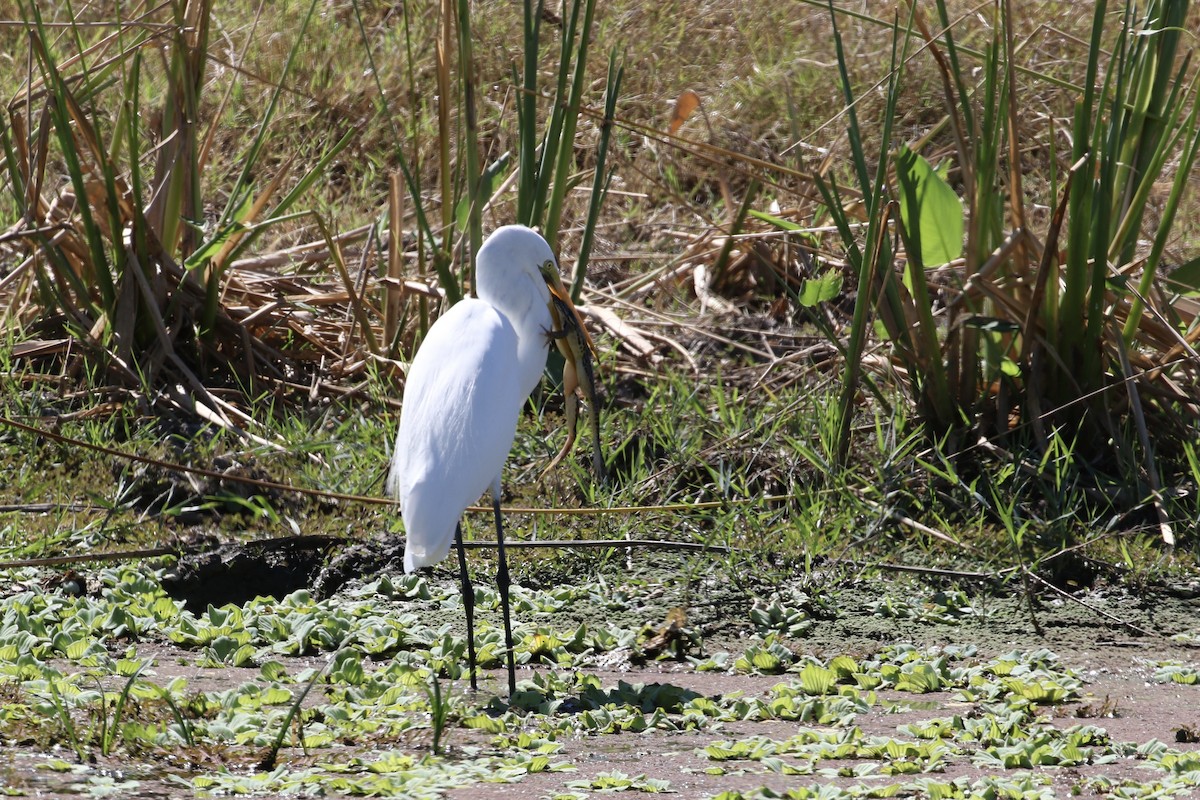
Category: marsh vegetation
<point>896,317</point>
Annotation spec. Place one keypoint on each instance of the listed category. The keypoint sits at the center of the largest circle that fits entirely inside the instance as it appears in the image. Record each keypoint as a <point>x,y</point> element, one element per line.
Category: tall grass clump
<point>1022,334</point>
<point>122,256</point>
<point>142,192</point>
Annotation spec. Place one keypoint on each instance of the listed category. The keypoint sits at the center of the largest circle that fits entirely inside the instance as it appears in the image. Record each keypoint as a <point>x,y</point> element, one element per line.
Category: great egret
<point>463,394</point>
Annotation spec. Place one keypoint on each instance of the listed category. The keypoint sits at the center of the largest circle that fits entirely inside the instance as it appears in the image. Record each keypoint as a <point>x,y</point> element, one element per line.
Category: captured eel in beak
<point>579,378</point>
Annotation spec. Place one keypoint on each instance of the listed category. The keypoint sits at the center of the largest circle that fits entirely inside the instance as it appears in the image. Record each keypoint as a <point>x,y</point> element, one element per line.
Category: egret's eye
<point>548,271</point>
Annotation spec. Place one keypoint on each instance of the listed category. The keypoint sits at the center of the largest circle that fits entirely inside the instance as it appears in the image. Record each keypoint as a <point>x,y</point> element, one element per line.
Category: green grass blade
<point>601,179</point>
<point>876,250</point>
<point>283,209</point>
<point>566,146</point>
<point>553,137</point>
<point>470,137</point>
<point>411,175</point>
<point>527,113</point>
<point>243,185</point>
<point>1150,272</point>
<point>64,118</point>
<point>853,129</point>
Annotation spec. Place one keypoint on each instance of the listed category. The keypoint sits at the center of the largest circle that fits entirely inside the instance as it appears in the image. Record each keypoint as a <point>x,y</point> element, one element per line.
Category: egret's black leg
<point>468,598</point>
<point>503,583</point>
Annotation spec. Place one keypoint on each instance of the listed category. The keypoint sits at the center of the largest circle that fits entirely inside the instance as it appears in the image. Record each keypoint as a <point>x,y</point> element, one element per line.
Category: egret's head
<point>517,271</point>
<point>549,273</point>
<point>548,269</point>
<point>511,268</point>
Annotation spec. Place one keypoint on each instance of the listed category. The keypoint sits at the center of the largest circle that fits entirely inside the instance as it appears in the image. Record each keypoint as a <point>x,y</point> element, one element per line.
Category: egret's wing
<point>457,425</point>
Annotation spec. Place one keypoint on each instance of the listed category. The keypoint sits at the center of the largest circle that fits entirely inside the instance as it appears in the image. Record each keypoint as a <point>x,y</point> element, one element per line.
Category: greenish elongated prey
<point>579,377</point>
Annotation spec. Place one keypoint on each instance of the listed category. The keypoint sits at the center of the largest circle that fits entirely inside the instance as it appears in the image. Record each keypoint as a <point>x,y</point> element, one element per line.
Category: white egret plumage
<point>463,395</point>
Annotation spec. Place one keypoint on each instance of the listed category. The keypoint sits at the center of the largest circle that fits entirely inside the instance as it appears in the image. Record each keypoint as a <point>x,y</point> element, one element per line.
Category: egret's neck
<point>524,300</point>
